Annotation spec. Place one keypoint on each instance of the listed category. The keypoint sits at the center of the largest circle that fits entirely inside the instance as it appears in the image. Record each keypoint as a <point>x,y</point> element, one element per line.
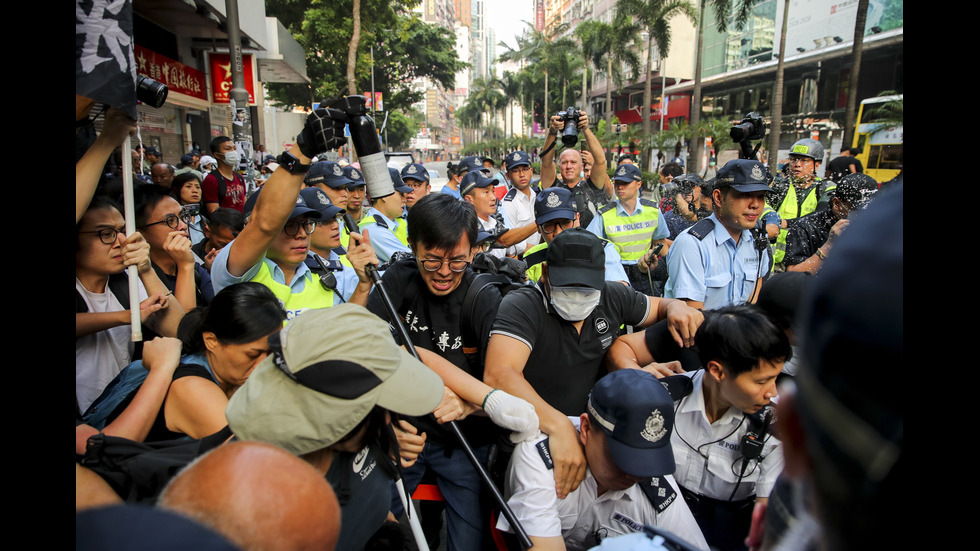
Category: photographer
<point>588,198</point>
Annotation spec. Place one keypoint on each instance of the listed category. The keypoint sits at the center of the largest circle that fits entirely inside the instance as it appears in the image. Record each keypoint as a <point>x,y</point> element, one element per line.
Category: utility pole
<point>241,118</point>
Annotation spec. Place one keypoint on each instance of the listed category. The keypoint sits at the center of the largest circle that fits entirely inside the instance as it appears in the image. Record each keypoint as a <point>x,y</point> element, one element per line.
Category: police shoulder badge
<point>553,200</point>
<point>654,429</point>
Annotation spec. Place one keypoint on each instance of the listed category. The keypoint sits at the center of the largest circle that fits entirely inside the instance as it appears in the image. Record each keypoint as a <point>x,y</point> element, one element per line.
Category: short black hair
<point>738,337</point>
<point>438,220</point>
<point>672,169</point>
<point>144,199</point>
<point>226,218</point>
<point>215,145</point>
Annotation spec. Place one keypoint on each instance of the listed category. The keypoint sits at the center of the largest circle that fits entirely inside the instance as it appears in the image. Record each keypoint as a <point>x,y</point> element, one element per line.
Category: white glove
<point>511,412</point>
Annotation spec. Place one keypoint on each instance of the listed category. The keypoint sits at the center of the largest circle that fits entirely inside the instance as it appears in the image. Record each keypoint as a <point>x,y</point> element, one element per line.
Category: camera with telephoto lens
<point>151,92</point>
<point>569,136</point>
<point>752,127</point>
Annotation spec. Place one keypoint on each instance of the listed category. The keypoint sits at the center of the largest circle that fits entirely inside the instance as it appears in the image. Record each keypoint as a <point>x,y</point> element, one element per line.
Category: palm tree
<point>722,8</point>
<point>856,52</point>
<point>622,54</point>
<point>596,38</point>
<point>654,16</point>
<point>511,86</point>
<point>776,118</point>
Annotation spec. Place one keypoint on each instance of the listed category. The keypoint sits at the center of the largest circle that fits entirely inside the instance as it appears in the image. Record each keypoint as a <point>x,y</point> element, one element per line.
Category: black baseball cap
<point>576,257</point>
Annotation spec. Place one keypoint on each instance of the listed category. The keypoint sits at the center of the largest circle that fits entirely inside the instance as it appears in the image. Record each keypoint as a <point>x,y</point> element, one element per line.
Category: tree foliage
<point>405,48</point>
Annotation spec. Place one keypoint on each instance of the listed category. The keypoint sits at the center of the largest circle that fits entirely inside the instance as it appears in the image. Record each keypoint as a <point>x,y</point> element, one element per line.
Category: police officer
<point>716,262</point>
<point>416,177</point>
<point>519,201</point>
<point>632,224</point>
<point>803,192</point>
<point>387,229</point>
<point>554,212</point>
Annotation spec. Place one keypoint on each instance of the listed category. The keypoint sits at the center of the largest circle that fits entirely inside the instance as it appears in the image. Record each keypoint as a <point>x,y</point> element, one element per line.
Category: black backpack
<point>139,471</point>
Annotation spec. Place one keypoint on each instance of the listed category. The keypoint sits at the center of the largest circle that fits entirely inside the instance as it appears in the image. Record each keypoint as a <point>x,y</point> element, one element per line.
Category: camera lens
<point>151,92</point>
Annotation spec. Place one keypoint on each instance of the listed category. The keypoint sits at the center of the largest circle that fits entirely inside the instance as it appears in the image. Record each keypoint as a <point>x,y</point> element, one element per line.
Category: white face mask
<point>574,303</point>
<point>232,158</point>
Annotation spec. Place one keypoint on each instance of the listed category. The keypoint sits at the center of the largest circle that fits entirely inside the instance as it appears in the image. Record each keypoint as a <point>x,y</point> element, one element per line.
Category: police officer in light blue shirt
<point>715,263</point>
<point>384,223</point>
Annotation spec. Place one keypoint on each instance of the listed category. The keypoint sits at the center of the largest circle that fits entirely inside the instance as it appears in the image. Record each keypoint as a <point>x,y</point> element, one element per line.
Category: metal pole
<point>241,117</point>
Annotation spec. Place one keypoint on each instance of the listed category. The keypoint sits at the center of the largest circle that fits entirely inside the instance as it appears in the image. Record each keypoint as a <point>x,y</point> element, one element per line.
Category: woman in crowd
<point>186,189</point>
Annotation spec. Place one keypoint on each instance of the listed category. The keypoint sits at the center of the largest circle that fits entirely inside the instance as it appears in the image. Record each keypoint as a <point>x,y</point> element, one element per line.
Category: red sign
<point>378,100</point>
<point>539,15</point>
<point>178,77</point>
<point>221,77</point>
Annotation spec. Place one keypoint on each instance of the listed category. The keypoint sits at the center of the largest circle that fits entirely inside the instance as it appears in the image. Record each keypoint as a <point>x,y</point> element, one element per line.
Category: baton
<point>372,272</point>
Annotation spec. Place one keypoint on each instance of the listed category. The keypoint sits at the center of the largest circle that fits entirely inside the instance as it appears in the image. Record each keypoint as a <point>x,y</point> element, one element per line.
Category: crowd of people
<point>612,361</point>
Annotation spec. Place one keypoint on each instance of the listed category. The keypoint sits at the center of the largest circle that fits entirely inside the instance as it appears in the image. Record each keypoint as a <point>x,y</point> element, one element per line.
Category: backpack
<point>139,471</point>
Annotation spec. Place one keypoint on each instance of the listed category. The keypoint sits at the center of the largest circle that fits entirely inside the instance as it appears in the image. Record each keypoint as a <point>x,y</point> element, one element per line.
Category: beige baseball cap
<point>327,370</point>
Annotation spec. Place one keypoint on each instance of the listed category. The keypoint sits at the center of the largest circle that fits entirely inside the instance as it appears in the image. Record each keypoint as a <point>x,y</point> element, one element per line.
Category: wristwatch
<point>289,161</point>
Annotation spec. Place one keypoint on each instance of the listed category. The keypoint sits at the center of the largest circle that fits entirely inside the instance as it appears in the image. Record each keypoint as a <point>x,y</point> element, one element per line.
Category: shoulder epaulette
<point>340,250</point>
<point>702,229</point>
<point>678,386</point>
<point>607,208</point>
<point>659,492</point>
<point>648,203</point>
<point>545,453</point>
<point>381,221</point>
<point>315,267</point>
<point>511,194</point>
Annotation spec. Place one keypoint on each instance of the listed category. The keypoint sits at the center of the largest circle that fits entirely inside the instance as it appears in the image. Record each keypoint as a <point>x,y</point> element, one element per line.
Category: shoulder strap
<point>648,203</point>
<point>380,221</point>
<point>702,229</point>
<point>511,194</point>
<point>537,257</point>
<point>607,208</point>
<point>660,493</point>
<point>678,386</point>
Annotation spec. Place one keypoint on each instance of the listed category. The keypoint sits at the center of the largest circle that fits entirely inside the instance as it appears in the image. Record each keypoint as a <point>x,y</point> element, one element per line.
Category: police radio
<point>752,444</point>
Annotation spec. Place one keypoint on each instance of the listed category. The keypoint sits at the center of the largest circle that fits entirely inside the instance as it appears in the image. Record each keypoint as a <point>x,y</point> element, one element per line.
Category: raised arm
<point>548,159</point>
<point>599,176</point>
<point>88,169</point>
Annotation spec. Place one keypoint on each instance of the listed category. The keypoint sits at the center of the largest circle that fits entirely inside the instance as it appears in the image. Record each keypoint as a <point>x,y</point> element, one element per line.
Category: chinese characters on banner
<point>178,77</point>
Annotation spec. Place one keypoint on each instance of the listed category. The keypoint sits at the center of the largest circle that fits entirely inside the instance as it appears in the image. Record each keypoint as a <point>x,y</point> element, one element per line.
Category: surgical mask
<point>232,158</point>
<point>574,303</point>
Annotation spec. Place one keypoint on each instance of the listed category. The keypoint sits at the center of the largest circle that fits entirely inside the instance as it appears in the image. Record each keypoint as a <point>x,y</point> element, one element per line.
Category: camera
<point>752,127</point>
<point>569,136</point>
<point>151,92</point>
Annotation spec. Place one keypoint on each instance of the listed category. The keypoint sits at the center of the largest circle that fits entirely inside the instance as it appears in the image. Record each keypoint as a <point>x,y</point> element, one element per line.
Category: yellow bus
<point>880,138</point>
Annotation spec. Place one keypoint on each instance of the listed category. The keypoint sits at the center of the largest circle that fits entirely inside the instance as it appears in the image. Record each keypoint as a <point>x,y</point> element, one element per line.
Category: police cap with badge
<point>744,175</point>
<point>415,171</point>
<point>327,172</point>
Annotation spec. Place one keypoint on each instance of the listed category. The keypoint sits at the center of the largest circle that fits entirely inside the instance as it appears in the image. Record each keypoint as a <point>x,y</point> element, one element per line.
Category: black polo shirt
<point>563,365</point>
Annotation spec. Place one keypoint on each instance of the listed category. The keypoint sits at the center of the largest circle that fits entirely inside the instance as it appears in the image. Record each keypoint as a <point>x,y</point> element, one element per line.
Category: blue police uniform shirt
<point>715,270</point>
<point>599,228</point>
<point>384,240</point>
<point>221,277</point>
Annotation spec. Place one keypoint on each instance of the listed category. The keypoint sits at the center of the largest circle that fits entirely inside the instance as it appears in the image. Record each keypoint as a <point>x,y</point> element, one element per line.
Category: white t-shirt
<point>99,357</point>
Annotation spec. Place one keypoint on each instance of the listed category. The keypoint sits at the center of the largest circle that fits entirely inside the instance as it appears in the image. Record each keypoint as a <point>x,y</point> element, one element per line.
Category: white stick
<point>129,213</point>
<point>413,517</point>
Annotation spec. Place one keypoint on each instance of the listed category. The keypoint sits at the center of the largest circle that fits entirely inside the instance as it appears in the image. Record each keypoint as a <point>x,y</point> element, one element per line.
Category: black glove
<point>324,130</point>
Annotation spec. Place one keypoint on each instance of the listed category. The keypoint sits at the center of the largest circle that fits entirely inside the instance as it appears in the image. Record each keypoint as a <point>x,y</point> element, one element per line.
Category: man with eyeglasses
<point>347,283</point>
<point>273,247</point>
<point>802,193</point>
<point>555,212</point>
<point>158,219</point>
<point>428,292</point>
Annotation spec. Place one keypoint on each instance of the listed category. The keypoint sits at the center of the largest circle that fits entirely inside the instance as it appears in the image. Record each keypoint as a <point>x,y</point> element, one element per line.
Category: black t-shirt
<point>839,167</point>
<point>564,365</point>
<point>588,199</point>
<point>360,478</point>
<point>434,323</point>
<point>664,348</point>
<point>806,234</point>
